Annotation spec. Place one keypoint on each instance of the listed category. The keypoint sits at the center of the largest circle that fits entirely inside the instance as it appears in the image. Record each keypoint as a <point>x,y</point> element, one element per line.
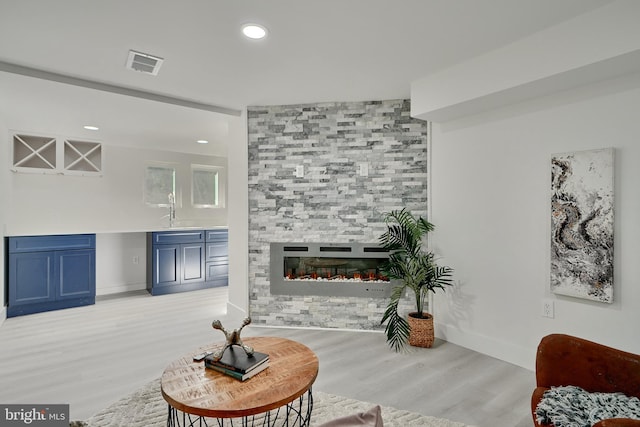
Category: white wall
<point>120,262</point>
<point>111,206</point>
<point>491,206</point>
<point>238,190</point>
<point>58,204</point>
<point>3,207</point>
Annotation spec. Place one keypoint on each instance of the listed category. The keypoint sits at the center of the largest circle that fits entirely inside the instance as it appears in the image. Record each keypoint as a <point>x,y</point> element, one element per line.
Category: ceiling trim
<point>105,87</point>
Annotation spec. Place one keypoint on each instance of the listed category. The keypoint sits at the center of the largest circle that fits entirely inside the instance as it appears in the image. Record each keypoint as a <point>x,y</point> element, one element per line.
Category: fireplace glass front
<point>352,269</point>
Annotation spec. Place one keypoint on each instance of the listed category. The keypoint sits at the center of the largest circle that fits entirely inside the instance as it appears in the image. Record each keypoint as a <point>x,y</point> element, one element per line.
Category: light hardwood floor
<point>91,356</point>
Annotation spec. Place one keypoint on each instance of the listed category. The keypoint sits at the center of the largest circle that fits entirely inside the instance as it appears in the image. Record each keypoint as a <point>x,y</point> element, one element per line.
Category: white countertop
<point>37,232</point>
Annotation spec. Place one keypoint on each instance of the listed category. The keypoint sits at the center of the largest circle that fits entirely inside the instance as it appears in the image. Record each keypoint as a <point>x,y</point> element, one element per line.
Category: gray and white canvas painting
<point>582,224</point>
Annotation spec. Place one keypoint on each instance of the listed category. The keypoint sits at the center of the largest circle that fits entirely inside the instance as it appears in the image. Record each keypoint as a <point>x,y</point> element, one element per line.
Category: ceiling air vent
<point>144,62</point>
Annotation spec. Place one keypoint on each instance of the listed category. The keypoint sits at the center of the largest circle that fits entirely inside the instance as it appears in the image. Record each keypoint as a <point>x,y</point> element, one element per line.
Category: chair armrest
<point>618,422</point>
<point>536,397</point>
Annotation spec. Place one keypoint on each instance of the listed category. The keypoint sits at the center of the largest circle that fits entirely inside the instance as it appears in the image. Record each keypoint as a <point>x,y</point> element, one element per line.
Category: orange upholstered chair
<point>563,360</point>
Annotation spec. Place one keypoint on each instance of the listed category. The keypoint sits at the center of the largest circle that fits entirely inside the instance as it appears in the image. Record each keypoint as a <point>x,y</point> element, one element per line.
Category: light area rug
<point>146,408</point>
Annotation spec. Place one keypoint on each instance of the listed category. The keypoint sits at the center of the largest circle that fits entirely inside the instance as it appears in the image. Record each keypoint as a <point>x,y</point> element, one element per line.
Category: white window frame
<point>219,186</point>
<point>147,196</point>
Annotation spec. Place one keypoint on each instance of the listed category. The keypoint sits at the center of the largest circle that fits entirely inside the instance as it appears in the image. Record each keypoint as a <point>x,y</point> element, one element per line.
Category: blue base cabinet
<point>178,261</point>
<point>217,253</point>
<point>50,272</point>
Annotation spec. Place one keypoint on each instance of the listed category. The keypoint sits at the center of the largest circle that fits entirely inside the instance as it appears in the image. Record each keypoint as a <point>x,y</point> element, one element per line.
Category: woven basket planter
<point>421,333</point>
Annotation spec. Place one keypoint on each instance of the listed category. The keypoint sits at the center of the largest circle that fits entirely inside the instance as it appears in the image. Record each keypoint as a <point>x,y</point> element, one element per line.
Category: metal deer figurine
<point>233,338</point>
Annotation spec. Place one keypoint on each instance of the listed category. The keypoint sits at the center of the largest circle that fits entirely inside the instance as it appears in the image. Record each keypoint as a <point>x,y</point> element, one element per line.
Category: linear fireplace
<point>328,269</point>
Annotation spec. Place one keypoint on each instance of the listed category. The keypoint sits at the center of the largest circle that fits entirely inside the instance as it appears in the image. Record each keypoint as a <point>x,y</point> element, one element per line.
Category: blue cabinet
<point>50,272</point>
<point>217,263</point>
<point>178,261</point>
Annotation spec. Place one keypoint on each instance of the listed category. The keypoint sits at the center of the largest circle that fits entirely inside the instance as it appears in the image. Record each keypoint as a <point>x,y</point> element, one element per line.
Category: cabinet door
<point>177,237</point>
<point>217,257</point>
<point>31,278</point>
<point>217,272</point>
<point>193,263</point>
<point>166,265</point>
<point>217,250</point>
<point>76,273</point>
<point>211,235</point>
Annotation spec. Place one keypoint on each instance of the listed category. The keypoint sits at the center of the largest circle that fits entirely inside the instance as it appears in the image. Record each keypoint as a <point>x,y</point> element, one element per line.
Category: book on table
<point>237,363</point>
<point>238,375</point>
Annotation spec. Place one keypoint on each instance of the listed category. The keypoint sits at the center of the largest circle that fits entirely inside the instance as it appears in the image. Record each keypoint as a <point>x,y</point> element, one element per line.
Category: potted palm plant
<point>414,269</point>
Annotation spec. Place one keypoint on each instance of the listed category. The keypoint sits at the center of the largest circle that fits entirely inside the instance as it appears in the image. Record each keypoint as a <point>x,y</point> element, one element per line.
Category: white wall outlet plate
<point>300,171</point>
<point>547,308</point>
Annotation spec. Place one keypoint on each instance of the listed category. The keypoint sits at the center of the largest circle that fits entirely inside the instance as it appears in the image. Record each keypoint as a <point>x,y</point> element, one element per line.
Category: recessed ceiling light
<point>202,141</point>
<point>254,31</point>
<point>91,127</point>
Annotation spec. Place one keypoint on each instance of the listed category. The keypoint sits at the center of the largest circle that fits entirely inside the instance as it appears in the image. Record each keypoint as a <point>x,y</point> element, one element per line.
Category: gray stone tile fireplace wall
<point>326,173</point>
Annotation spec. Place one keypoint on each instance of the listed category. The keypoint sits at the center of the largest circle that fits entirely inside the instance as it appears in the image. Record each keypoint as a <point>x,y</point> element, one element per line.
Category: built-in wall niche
<point>83,156</point>
<point>34,152</point>
<point>53,154</point>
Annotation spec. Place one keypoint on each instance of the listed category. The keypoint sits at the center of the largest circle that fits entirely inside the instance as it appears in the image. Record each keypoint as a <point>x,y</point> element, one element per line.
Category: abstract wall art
<point>582,224</point>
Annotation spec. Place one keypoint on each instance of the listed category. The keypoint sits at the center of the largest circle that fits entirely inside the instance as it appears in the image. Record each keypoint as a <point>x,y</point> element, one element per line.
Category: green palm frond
<point>411,267</point>
<point>397,331</point>
<point>397,328</point>
<point>425,225</point>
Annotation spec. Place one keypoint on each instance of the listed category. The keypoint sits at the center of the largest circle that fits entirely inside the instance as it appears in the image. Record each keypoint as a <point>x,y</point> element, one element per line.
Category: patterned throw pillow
<point>370,418</point>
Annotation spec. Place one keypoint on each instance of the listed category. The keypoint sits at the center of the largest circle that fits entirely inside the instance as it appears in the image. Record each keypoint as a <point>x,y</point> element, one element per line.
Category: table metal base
<point>294,414</point>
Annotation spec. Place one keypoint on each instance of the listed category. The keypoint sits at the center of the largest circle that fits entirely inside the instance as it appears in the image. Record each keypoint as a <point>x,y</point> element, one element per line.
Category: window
<point>159,184</point>
<point>206,182</point>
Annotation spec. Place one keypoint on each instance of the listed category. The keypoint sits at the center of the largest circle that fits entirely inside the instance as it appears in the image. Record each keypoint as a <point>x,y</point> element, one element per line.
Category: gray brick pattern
<point>332,202</point>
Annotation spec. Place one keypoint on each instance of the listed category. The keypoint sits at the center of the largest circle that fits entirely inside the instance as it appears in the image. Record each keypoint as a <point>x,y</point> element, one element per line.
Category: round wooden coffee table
<point>200,396</point>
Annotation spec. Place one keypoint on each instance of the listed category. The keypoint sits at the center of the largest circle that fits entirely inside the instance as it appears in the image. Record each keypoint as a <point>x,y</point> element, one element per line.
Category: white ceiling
<point>322,50</point>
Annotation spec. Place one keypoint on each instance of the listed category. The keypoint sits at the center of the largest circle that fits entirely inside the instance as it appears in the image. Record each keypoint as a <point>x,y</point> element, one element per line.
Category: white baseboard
<point>506,351</point>
<point>3,315</point>
<point>235,312</point>
<point>117,289</point>
<point>316,328</point>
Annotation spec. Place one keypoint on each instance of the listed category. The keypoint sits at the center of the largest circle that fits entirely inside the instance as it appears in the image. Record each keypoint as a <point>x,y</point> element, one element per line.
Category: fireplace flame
<point>326,275</point>
<point>333,269</point>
